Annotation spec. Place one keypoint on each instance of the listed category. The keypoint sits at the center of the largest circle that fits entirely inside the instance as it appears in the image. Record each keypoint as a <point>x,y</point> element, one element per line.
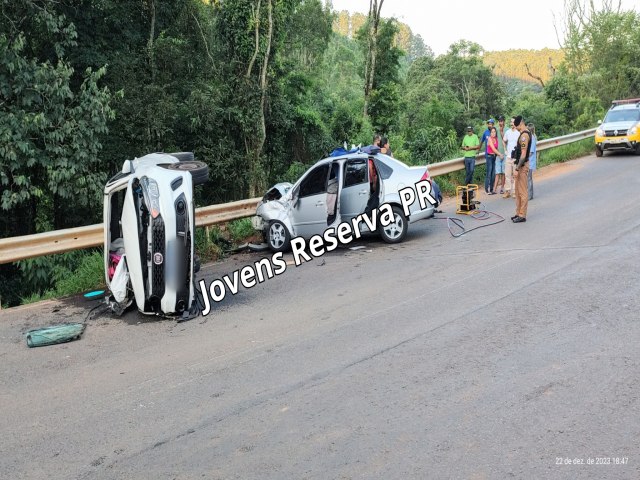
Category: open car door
<point>334,187</point>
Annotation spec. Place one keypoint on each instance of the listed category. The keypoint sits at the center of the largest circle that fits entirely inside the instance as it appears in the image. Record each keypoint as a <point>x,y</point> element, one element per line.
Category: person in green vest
<point>470,147</point>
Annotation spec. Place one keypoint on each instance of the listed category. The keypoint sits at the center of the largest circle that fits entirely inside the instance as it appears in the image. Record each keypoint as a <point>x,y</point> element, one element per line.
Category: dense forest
<point>258,89</point>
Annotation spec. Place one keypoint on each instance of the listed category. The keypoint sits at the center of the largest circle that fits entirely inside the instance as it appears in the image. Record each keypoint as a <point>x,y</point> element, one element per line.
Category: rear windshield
<point>627,115</point>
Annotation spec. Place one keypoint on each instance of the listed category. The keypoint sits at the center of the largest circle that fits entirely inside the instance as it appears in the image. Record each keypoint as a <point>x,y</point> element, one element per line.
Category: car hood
<point>278,191</point>
<point>618,125</point>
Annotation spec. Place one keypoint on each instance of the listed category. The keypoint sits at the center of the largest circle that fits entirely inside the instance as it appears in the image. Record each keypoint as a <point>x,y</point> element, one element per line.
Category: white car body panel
<point>175,241</point>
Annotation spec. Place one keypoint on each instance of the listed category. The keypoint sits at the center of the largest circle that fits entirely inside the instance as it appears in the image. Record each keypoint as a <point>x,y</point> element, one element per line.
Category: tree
<point>373,21</point>
<point>383,95</point>
<point>50,129</point>
<point>601,49</point>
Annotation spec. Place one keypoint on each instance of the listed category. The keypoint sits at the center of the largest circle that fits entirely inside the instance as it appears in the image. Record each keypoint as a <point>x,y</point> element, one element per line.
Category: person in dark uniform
<point>521,171</point>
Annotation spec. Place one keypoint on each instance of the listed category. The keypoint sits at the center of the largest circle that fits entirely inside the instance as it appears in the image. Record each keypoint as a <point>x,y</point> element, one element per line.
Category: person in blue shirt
<point>490,160</point>
<point>533,157</point>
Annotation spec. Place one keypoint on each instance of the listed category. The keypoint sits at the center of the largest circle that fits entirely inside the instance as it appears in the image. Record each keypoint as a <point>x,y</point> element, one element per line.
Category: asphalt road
<point>504,353</point>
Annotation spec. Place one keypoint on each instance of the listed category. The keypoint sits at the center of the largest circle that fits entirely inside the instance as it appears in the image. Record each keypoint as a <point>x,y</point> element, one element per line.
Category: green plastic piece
<point>62,333</point>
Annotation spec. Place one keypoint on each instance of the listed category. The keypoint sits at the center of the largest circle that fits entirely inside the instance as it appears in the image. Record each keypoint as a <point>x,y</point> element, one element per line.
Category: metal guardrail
<point>60,241</point>
<point>456,164</point>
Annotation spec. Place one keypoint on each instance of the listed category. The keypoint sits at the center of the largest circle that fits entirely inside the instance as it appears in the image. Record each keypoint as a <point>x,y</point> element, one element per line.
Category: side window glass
<point>384,170</point>
<point>316,182</point>
<point>355,172</point>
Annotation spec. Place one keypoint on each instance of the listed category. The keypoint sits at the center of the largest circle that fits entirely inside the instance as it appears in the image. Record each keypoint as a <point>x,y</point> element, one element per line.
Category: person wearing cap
<point>511,139</point>
<point>500,159</point>
<point>521,170</point>
<point>490,159</point>
<point>470,146</point>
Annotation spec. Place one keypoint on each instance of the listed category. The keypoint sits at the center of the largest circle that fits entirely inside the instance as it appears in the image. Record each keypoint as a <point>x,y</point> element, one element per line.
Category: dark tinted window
<point>355,172</point>
<point>384,170</point>
<point>315,182</point>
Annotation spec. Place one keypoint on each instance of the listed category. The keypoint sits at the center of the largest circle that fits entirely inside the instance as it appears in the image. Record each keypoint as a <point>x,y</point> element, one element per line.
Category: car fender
<point>276,210</point>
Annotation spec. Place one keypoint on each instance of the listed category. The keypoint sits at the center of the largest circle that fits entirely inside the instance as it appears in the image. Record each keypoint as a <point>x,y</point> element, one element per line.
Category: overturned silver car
<point>337,189</point>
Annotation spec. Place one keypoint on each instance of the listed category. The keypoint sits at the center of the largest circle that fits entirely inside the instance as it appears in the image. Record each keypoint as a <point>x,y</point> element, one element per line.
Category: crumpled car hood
<point>278,191</point>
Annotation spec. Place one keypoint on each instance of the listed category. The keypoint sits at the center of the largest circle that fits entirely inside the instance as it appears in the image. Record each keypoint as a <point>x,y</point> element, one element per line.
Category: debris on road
<point>54,334</point>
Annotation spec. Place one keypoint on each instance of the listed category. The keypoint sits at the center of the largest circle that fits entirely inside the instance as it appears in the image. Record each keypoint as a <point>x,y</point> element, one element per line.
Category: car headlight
<point>600,132</point>
<point>632,130</point>
<point>152,195</point>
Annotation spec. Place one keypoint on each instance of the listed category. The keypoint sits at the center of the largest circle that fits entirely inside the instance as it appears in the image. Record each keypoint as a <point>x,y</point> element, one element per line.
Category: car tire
<point>599,151</point>
<point>199,170</point>
<point>183,156</point>
<point>278,237</point>
<point>637,150</point>
<point>397,230</point>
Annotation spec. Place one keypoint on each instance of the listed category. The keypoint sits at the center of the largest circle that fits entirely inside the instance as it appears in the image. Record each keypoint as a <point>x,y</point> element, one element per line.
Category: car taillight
<point>425,176</point>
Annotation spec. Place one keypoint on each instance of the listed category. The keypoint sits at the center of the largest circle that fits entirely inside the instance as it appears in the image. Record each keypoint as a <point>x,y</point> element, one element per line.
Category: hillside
<point>347,24</point>
<point>511,63</point>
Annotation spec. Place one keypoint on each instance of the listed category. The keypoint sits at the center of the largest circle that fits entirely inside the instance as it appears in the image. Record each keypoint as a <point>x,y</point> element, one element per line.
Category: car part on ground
<point>338,189</point>
<point>620,129</point>
<point>54,334</point>
<point>149,231</point>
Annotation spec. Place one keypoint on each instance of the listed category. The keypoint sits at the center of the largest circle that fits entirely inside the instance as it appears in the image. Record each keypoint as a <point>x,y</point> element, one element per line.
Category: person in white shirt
<point>511,139</point>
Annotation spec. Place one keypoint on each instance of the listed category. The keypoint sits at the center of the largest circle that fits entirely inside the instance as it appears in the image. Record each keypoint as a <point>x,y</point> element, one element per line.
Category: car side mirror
<point>599,122</point>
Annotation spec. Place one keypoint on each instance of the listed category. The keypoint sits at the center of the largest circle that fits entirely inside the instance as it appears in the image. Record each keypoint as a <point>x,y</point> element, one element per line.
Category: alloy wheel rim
<point>394,230</point>
<point>276,235</point>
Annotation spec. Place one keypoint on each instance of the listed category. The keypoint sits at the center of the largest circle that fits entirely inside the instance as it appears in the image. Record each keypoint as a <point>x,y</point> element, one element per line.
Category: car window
<point>626,115</point>
<point>355,172</point>
<point>315,182</point>
<point>384,170</point>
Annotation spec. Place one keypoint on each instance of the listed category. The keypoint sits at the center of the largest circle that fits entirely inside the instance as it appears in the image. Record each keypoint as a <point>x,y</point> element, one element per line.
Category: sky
<point>495,25</point>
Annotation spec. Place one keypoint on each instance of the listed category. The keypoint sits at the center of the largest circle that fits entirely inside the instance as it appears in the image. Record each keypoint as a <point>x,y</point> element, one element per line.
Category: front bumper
<point>617,143</point>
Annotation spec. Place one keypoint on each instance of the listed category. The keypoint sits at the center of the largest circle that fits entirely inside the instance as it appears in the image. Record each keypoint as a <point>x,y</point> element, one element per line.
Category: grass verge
<point>89,275</point>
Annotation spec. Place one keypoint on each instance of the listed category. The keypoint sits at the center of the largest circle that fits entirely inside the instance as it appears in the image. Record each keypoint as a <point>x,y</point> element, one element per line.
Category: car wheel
<point>637,148</point>
<point>183,156</point>
<point>278,236</point>
<point>396,230</point>
<point>599,151</point>
<point>199,170</point>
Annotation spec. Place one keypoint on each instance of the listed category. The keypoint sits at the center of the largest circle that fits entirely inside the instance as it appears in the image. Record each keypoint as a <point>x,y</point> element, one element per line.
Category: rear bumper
<point>421,214</point>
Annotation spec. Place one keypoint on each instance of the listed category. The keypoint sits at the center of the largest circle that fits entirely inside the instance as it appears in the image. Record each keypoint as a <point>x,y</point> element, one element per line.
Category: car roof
<point>362,155</point>
<point>626,106</point>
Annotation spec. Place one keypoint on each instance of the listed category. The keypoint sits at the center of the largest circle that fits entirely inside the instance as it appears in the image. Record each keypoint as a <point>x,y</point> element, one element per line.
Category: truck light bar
<point>623,102</point>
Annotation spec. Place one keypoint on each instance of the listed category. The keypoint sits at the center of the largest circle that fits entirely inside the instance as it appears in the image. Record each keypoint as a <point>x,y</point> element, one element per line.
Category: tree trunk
<point>256,20</point>
<point>370,64</point>
<point>152,29</point>
<point>255,174</point>
<point>152,137</point>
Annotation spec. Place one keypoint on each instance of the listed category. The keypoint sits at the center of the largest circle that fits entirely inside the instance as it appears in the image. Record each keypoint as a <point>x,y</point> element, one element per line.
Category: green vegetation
<point>259,90</point>
<point>566,152</point>
<point>87,276</point>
